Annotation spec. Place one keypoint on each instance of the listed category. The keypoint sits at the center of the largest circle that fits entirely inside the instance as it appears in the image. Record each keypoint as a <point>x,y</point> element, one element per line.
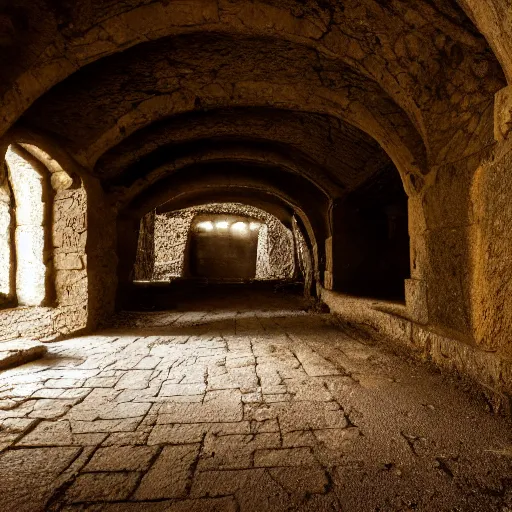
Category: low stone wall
<point>27,322</point>
<point>388,321</point>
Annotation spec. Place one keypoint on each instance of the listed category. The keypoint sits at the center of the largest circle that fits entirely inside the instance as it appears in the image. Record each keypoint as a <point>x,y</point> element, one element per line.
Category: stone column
<point>145,261</point>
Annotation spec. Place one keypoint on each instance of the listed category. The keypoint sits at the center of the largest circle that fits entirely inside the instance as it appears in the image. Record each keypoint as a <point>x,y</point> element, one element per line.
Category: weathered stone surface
<point>503,114</point>
<point>24,486</point>
<point>349,423</point>
<point>121,458</point>
<point>169,475</point>
<point>16,353</point>
<point>101,487</point>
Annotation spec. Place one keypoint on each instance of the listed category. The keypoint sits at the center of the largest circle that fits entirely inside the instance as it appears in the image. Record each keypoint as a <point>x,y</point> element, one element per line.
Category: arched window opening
<point>30,240</point>
<point>43,230</point>
<point>6,240</point>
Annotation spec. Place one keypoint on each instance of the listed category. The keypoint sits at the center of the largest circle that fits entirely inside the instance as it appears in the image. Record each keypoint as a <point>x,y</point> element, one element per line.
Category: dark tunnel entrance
<point>223,247</point>
<point>372,239</point>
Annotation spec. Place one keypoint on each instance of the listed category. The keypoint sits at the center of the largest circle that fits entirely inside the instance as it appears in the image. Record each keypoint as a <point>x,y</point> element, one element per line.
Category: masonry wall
<point>64,305</point>
<point>171,232</point>
<point>70,260</point>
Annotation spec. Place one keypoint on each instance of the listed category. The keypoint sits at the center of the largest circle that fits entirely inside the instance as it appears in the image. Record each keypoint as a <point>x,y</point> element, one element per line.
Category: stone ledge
<point>491,373</point>
<point>21,351</point>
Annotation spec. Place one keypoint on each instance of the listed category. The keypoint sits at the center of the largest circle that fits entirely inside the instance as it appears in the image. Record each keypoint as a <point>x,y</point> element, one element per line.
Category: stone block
<point>102,487</point>
<point>68,261</point>
<point>416,300</point>
<point>16,353</point>
<point>169,475</point>
<point>121,458</point>
<point>328,280</point>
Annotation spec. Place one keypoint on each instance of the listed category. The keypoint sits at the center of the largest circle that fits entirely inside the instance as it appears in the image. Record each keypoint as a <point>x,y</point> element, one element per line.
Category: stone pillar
<point>145,261</point>
<point>101,251</point>
<point>328,272</point>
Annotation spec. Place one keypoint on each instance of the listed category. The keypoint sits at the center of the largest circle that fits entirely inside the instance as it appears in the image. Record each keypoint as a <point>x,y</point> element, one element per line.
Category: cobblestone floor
<point>243,409</point>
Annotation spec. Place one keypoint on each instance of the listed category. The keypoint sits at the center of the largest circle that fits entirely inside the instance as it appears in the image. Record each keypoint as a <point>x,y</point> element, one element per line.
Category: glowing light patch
<point>222,224</point>
<point>254,225</point>
<point>239,227</point>
<point>206,226</point>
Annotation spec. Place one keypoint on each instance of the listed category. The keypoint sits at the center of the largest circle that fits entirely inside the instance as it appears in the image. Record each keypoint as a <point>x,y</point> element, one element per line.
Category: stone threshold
<point>17,352</point>
<point>491,373</point>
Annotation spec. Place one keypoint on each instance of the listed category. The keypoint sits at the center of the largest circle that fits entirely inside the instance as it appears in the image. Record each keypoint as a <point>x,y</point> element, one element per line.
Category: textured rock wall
<point>304,258</point>
<point>145,261</point>
<point>490,251</point>
<point>275,259</point>
<point>70,260</point>
<point>50,248</point>
<point>171,233</point>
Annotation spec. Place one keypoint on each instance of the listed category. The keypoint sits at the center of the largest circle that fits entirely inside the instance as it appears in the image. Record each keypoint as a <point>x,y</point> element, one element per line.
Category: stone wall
<point>275,258</point>
<point>145,261</point>
<point>391,323</point>
<point>304,259</point>
<point>70,260</point>
<point>62,301</point>
<point>171,233</point>
<point>276,249</point>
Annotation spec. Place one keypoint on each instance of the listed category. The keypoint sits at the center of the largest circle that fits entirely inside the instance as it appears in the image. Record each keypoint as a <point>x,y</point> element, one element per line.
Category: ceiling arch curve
<point>99,107</point>
<point>266,202</point>
<point>147,172</point>
<point>343,155</point>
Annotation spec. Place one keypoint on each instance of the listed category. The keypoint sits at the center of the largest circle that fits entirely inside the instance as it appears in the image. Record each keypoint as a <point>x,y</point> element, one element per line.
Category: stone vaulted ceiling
<point>333,91</point>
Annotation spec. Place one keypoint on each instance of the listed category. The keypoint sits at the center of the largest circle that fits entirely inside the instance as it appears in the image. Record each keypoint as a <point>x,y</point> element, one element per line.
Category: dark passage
<point>222,247</point>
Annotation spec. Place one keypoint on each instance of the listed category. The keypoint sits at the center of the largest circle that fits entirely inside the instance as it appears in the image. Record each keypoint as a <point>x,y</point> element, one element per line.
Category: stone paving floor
<point>243,409</point>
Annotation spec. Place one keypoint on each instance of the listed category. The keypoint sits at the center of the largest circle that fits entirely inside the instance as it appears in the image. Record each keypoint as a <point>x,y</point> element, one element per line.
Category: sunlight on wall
<point>29,236</point>
<point>5,243</point>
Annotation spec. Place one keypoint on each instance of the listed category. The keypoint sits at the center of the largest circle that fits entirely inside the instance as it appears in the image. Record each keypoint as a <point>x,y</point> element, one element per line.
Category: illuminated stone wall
<point>48,252</point>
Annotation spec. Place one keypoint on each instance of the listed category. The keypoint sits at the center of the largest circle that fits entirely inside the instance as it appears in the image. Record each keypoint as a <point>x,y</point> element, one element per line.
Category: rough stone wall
<point>102,259</point>
<point>69,232</point>
<point>304,260</point>
<point>275,258</point>
<point>145,262</point>
<point>490,250</point>
<point>60,228</point>
<point>171,233</point>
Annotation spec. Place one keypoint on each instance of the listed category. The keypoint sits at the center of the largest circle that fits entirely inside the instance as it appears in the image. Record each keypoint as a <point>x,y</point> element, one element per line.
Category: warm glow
<point>27,186</point>
<point>206,226</point>
<point>239,227</point>
<point>254,225</point>
<point>222,224</point>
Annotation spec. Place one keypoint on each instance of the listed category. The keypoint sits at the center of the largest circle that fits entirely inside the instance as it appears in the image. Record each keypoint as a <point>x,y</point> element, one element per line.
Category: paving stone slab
<point>20,351</point>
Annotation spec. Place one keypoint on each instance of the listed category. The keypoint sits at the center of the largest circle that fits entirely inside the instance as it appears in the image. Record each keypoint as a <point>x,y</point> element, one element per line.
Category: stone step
<point>20,351</point>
